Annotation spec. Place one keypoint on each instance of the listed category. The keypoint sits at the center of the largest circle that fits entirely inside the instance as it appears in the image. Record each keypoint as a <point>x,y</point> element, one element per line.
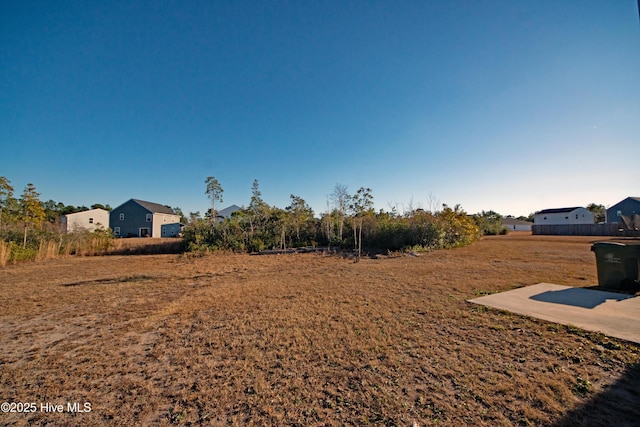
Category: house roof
<point>513,221</point>
<point>154,207</point>
<point>637,199</point>
<point>226,212</point>
<point>557,210</point>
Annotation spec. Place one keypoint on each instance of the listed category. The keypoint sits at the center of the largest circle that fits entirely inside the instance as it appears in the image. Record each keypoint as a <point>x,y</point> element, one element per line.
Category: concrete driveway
<point>613,314</point>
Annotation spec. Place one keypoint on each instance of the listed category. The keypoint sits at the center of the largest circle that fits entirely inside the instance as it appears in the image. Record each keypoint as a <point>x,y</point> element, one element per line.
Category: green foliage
<point>459,229</point>
<point>582,386</point>
<point>489,223</point>
<point>19,253</point>
<point>261,226</point>
<point>32,211</point>
<point>361,207</point>
<point>8,205</point>
<point>43,244</point>
<point>101,206</point>
<point>298,215</point>
<point>214,192</point>
<point>183,218</point>
<point>599,212</point>
<point>528,218</point>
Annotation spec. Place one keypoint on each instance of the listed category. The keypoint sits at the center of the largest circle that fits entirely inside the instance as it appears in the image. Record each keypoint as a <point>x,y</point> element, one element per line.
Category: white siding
<point>576,216</point>
<point>160,219</point>
<point>87,220</point>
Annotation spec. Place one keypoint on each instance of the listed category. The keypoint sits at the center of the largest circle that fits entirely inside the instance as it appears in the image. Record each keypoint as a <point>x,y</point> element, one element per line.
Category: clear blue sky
<point>512,106</point>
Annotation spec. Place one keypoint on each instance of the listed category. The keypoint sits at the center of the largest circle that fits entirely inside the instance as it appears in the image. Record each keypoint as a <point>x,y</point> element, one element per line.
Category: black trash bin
<point>617,264</point>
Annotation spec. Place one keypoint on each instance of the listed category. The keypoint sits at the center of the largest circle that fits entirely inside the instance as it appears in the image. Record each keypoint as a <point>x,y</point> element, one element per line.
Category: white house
<point>576,215</point>
<point>516,224</point>
<point>85,220</point>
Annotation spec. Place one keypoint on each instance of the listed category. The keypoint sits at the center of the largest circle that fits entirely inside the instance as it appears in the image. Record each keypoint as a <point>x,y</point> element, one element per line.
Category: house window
<point>566,217</point>
<point>164,218</point>
<point>149,217</point>
<point>121,217</point>
<point>619,213</point>
<point>577,216</point>
<point>90,220</point>
<point>116,231</point>
<point>545,218</point>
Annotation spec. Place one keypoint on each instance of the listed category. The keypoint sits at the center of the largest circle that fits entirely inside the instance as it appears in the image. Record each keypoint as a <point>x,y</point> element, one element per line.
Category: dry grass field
<point>308,340</point>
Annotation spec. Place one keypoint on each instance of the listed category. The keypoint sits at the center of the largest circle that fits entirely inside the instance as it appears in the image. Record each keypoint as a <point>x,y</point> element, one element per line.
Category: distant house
<point>627,207</point>
<point>85,220</point>
<point>227,212</point>
<point>559,216</point>
<point>513,224</point>
<point>137,218</point>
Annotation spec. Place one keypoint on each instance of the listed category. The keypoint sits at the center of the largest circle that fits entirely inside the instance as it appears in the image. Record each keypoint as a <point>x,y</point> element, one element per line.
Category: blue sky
<point>510,106</point>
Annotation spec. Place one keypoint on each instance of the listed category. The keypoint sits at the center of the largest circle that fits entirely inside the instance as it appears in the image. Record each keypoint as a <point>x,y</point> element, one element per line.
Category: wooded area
<point>350,222</point>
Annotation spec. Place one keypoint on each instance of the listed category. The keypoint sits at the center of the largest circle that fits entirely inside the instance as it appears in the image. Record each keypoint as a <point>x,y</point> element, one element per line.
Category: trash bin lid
<point>616,247</point>
<point>607,244</point>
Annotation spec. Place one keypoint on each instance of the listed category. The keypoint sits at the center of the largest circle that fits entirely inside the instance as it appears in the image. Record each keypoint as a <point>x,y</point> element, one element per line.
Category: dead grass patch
<point>308,340</point>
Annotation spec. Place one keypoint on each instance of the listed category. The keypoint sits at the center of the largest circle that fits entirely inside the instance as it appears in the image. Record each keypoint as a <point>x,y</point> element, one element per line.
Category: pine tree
<point>32,212</point>
<point>7,202</point>
<point>214,191</point>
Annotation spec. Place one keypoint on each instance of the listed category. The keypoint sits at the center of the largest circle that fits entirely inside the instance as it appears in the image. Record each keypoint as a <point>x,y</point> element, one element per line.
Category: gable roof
<point>637,199</point>
<point>557,210</point>
<point>514,221</point>
<point>226,212</point>
<point>154,207</point>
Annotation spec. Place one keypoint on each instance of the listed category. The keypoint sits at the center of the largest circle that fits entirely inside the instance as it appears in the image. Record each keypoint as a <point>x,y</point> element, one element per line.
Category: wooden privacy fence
<point>612,229</point>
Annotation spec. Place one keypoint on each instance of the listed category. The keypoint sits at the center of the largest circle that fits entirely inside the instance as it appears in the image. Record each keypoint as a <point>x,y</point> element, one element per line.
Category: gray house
<point>137,218</point>
<point>627,207</point>
<point>227,212</point>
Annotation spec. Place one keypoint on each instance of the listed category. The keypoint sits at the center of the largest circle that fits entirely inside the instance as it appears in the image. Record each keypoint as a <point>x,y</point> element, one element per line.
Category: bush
<point>381,232</point>
<point>19,253</point>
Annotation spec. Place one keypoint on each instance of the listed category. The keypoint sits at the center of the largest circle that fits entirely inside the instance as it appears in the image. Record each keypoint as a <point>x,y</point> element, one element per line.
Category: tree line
<point>350,222</point>
<point>30,228</point>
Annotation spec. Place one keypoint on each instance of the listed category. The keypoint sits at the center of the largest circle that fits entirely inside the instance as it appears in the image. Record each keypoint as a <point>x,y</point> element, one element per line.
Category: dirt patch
<point>307,339</point>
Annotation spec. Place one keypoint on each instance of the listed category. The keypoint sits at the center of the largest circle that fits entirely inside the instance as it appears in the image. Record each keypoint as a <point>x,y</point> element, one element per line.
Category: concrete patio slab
<point>613,314</point>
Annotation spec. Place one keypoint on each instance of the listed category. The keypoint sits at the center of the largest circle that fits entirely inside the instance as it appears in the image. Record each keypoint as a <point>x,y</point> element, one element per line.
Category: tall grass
<point>43,246</point>
<point>4,253</point>
<point>85,243</point>
<point>47,250</point>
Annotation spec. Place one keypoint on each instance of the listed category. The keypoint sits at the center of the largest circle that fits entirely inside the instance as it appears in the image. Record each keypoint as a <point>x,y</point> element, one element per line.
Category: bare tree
<point>433,204</point>
<point>341,200</point>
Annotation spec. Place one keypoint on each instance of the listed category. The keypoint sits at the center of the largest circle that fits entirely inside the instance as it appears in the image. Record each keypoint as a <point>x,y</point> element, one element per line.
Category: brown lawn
<point>308,340</point>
